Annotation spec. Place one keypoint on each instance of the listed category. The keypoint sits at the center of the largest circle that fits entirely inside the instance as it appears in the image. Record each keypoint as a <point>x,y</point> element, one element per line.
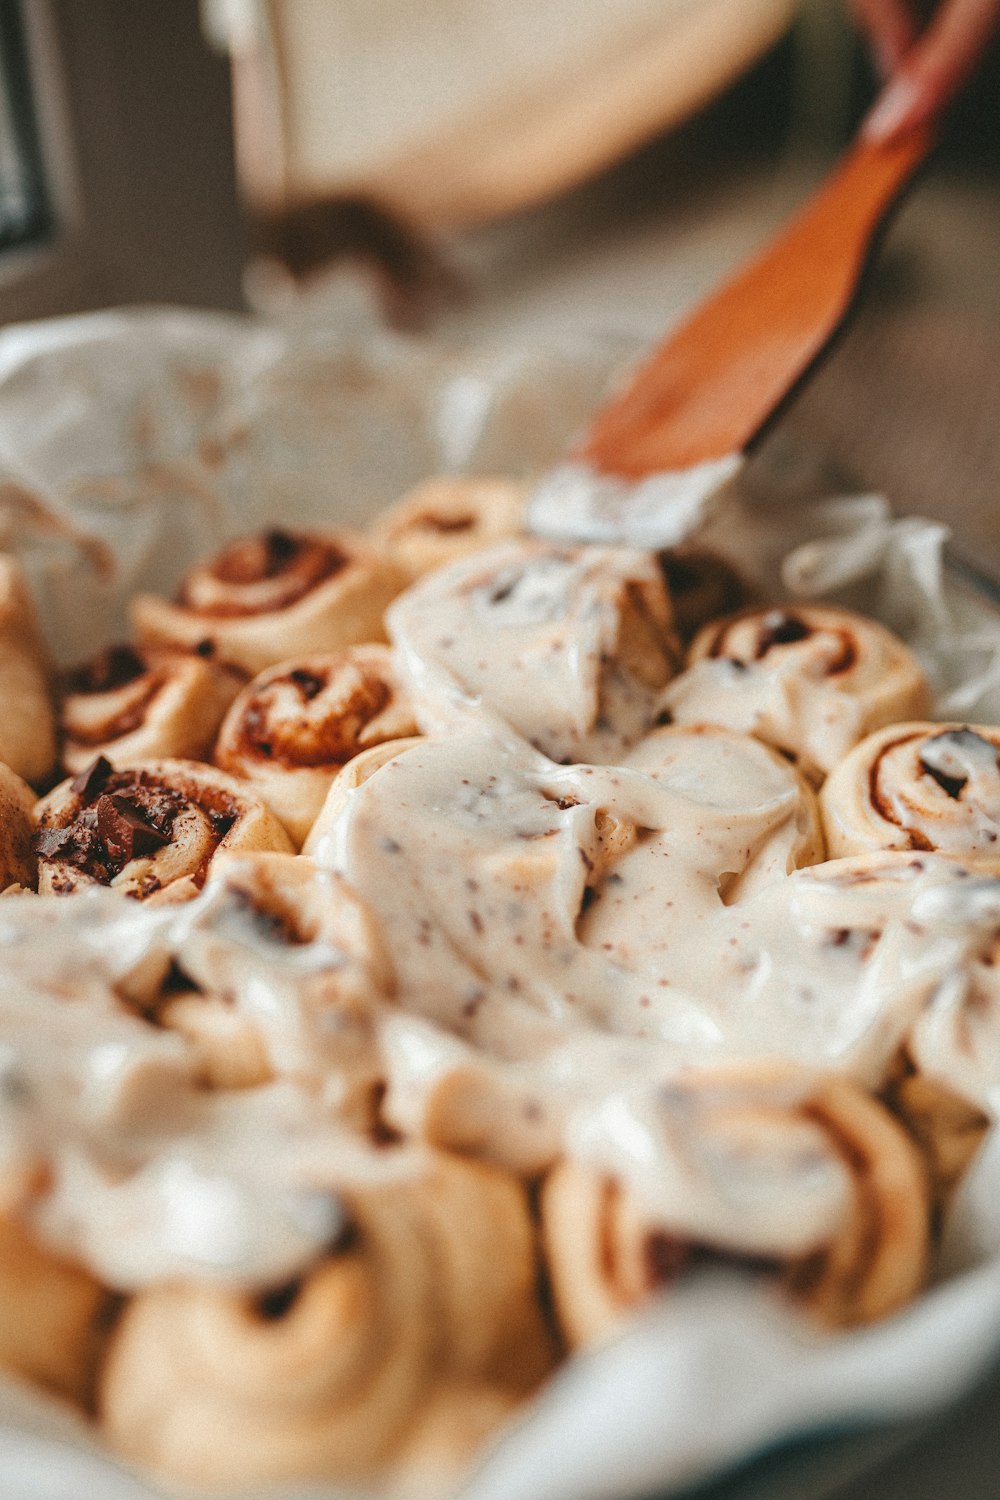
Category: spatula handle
<point>714,383</point>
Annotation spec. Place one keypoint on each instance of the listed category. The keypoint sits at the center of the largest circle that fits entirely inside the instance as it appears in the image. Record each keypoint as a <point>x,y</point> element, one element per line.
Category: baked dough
<point>27,726</point>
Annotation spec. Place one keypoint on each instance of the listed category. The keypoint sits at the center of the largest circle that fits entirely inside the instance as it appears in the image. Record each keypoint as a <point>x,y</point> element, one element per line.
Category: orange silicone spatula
<point>693,409</point>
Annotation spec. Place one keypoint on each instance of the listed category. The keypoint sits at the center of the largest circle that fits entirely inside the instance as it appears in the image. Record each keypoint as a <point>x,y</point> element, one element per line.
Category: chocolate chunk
<point>92,779</point>
<point>125,831</point>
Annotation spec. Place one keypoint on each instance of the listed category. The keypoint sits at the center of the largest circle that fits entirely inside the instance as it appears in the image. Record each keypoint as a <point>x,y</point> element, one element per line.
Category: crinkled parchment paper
<point>131,442</point>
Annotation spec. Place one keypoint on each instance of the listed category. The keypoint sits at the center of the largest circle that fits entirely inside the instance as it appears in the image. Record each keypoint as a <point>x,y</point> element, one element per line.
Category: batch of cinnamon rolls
<point>422,950</point>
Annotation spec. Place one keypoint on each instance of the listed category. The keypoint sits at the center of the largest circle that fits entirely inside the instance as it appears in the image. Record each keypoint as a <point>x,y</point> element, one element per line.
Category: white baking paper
<point>132,441</point>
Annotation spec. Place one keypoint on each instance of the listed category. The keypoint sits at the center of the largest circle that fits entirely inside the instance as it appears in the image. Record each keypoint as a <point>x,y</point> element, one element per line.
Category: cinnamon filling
<point>293,563</point>
<point>314,739</point>
<point>120,667</point>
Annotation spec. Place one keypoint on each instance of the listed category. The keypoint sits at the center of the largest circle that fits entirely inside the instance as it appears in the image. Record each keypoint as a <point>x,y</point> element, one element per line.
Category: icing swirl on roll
<point>805,1174</point>
<point>269,597</point>
<point>139,702</point>
<point>295,725</point>
<point>917,786</point>
<point>569,646</point>
<point>149,831</point>
<point>811,680</point>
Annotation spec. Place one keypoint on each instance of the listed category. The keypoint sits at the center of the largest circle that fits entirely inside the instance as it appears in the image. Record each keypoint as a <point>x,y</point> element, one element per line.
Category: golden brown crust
<point>18,865</point>
<point>54,1316</point>
<point>27,727</point>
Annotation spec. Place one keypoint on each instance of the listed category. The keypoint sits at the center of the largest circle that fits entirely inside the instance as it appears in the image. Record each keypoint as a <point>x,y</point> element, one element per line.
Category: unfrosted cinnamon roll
<point>949,1129</point>
<point>917,786</point>
<point>289,964</point>
<point>295,725</point>
<point>17,858</point>
<point>701,587</point>
<point>447,517</point>
<point>570,646</point>
<point>149,830</point>
<point>811,680</point>
<point>270,597</point>
<point>143,702</point>
<point>27,727</point>
<point>329,1376</point>
<point>832,1194</point>
<point>54,1315</point>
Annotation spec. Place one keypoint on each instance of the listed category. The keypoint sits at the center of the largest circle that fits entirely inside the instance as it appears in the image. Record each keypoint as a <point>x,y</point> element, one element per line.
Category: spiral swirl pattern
<point>270,597</point>
<point>295,725</point>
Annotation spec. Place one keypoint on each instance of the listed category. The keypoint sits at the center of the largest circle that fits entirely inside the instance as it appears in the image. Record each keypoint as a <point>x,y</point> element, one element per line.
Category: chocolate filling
<point>125,815</point>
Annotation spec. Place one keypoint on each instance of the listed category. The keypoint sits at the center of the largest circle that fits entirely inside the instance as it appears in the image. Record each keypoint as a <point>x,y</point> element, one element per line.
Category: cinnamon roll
<point>917,786</point>
<point>27,723</point>
<point>54,1316</point>
<point>833,1198</point>
<point>948,1128</point>
<point>701,587</point>
<point>294,726</point>
<point>17,858</point>
<point>353,775</point>
<point>150,831</point>
<point>811,680</point>
<point>569,646</point>
<point>330,1375</point>
<point>446,518</point>
<point>289,965</point>
<point>719,769</point>
<point>270,597</point>
<point>143,702</point>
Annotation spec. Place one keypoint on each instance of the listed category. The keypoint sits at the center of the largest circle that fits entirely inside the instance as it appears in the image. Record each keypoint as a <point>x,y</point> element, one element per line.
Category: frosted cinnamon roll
<point>296,963</point>
<point>270,597</point>
<point>569,646</point>
<point>149,831</point>
<point>810,1177</point>
<point>17,858</point>
<point>54,1316</point>
<point>917,786</point>
<point>719,769</point>
<point>143,702</point>
<point>27,724</point>
<point>353,775</point>
<point>295,725</point>
<point>329,1376</point>
<point>701,587</point>
<point>447,517</point>
<point>810,680</point>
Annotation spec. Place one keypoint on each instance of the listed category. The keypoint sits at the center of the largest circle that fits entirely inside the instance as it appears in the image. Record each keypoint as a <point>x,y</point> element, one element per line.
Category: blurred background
<point>491,170</point>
